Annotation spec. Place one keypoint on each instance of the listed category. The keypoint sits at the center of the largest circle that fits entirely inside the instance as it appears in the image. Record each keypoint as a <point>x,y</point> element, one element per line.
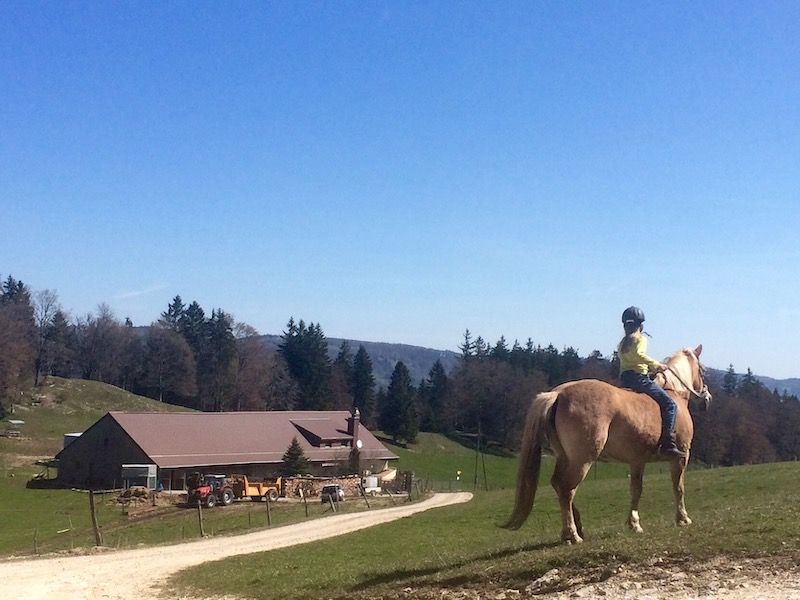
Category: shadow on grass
<point>45,484</point>
<point>408,575</point>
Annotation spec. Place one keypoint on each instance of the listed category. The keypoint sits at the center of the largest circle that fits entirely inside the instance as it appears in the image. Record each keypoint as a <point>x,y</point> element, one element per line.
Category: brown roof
<point>174,440</point>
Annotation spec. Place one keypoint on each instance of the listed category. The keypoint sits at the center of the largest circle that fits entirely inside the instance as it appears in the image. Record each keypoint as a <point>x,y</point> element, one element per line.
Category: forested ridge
<point>210,362</point>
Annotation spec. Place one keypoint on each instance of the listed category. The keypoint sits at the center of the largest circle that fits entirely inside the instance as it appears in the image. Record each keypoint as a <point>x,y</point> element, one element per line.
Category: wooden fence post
<point>364,493</point>
<point>98,536</point>
<point>200,518</point>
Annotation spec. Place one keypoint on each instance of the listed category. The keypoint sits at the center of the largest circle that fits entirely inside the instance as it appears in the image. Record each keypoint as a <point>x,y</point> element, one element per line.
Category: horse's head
<point>689,374</point>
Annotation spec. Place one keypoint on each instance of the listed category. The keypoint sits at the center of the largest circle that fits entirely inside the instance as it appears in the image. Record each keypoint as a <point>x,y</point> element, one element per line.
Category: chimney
<point>354,426</point>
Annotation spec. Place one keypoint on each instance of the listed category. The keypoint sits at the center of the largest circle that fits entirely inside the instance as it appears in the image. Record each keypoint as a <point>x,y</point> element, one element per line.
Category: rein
<point>701,395</point>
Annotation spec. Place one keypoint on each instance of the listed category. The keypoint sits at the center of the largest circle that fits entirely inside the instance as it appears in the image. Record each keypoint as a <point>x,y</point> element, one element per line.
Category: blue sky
<point>404,171</point>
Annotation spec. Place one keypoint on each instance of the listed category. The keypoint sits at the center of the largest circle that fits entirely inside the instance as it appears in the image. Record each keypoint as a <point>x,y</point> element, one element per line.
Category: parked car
<point>332,492</point>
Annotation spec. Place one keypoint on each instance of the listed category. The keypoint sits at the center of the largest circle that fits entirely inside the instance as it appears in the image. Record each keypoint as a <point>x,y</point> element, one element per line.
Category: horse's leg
<point>677,469</point>
<point>565,480</point>
<point>577,516</point>
<point>637,471</point>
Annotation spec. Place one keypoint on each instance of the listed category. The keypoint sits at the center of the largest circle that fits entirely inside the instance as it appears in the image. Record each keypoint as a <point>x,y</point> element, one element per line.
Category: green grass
<point>741,511</point>
<point>53,520</point>
<point>749,511</point>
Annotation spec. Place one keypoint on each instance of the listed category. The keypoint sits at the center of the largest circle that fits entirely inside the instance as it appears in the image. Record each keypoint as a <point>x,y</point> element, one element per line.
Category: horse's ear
<point>698,350</point>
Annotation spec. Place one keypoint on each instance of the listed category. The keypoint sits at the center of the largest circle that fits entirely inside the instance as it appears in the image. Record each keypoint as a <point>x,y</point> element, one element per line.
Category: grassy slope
<point>62,406</point>
<point>749,511</point>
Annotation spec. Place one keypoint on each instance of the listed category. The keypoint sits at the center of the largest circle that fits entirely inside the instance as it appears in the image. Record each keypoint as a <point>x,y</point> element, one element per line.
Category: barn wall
<point>95,459</point>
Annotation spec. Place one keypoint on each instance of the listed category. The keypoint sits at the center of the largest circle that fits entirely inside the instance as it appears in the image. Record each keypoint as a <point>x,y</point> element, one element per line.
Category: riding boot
<point>667,446</point>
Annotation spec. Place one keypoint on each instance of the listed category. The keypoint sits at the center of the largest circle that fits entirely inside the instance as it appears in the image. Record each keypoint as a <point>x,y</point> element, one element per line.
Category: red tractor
<point>209,490</point>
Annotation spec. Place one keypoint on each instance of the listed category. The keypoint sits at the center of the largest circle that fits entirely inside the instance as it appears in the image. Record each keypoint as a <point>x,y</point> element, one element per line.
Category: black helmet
<point>633,314</point>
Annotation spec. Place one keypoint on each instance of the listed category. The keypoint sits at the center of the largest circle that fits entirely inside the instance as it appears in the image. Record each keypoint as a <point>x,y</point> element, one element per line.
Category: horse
<point>588,420</point>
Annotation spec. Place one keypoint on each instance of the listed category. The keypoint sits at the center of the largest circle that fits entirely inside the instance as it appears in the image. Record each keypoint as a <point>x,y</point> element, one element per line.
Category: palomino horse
<point>588,420</point>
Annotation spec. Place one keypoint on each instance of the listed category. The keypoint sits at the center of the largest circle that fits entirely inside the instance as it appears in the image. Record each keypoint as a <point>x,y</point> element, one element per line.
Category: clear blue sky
<point>404,171</point>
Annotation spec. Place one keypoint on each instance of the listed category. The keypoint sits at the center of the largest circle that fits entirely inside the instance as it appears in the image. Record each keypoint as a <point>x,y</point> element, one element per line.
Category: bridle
<point>703,394</point>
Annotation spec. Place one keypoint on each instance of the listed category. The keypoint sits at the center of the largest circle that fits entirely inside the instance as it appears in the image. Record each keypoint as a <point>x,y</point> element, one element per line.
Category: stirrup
<point>672,451</point>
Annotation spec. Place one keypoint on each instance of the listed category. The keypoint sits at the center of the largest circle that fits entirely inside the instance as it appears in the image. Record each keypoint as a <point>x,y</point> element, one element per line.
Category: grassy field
<point>739,512</point>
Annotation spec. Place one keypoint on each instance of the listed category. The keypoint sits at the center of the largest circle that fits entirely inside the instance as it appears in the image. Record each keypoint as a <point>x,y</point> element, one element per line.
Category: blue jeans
<point>645,385</point>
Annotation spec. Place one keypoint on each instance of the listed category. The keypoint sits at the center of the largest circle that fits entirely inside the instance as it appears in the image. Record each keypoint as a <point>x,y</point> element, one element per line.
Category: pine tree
<point>399,419</point>
<point>730,381</point>
<point>217,363</point>
<point>294,460</point>
<point>171,319</point>
<point>362,386</point>
<point>305,352</point>
<point>435,397</point>
<point>192,324</point>
<point>341,376</point>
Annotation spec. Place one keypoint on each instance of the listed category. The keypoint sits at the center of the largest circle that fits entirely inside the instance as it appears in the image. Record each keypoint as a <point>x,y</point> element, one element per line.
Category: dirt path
<point>139,574</point>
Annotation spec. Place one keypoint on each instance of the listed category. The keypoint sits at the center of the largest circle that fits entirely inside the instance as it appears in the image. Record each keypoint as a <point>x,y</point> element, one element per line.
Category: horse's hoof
<point>684,522</point>
<point>635,528</point>
<point>573,540</point>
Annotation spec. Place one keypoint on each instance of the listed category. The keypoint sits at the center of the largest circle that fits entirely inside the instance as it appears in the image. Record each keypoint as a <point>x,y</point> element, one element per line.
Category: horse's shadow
<point>407,576</point>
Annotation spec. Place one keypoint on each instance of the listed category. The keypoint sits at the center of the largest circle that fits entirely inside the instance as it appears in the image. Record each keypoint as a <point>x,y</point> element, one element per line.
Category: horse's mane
<point>688,353</point>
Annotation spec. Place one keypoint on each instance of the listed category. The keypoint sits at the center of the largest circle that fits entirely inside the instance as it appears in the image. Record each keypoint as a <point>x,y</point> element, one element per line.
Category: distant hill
<point>790,386</point>
<point>385,356</point>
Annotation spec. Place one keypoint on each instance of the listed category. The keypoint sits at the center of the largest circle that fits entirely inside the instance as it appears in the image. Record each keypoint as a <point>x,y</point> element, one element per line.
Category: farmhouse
<point>173,445</point>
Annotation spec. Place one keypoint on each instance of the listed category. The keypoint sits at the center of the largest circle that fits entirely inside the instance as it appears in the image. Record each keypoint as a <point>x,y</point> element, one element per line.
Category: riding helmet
<point>633,314</point>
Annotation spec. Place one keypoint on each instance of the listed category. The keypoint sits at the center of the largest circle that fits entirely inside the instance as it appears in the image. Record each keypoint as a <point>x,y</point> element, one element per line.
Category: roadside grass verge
<point>738,512</point>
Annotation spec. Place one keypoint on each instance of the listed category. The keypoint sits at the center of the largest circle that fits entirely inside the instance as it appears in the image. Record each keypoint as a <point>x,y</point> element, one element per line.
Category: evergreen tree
<point>467,347</point>
<point>217,363</point>
<point>192,324</point>
<point>730,381</point>
<point>749,384</point>
<point>294,460</point>
<point>17,338</point>
<point>362,386</point>
<point>399,419</point>
<point>305,352</point>
<point>173,317</point>
<point>500,350</point>
<point>435,397</point>
<point>60,347</point>
<point>341,376</point>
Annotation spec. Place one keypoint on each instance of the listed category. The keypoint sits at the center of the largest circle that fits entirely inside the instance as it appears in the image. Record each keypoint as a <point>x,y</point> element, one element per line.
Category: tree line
<point>210,362</point>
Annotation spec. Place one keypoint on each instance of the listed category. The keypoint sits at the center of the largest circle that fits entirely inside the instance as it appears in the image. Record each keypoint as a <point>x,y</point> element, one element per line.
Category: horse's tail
<point>530,458</point>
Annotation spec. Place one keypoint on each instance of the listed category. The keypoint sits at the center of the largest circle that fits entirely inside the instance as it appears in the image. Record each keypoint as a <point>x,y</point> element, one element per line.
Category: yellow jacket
<point>635,358</point>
